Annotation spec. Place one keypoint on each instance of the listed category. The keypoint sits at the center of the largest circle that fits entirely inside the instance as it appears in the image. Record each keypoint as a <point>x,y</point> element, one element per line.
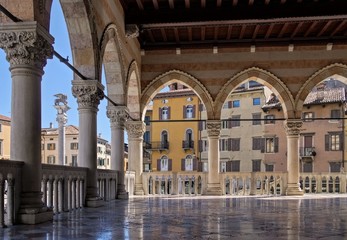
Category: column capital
<point>88,93</point>
<point>135,129</point>
<point>292,126</point>
<point>118,115</point>
<point>213,128</point>
<point>26,43</point>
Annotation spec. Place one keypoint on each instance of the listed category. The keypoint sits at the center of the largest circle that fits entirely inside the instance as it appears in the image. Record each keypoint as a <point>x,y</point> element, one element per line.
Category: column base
<point>213,189</point>
<point>293,189</point>
<point>35,218</point>
<point>94,202</point>
<point>139,189</point>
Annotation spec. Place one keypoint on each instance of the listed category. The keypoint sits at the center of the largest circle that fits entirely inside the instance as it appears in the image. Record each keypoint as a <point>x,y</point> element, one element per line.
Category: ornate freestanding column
<point>292,128</point>
<point>88,94</point>
<point>27,46</point>
<point>118,115</point>
<point>136,130</point>
<point>62,120</point>
<point>213,184</point>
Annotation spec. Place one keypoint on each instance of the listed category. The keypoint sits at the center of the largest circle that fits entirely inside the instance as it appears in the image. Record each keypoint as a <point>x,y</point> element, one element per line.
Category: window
<point>74,160</point>
<point>256,101</point>
<point>256,143</point>
<point>189,163</point>
<point>223,167</point>
<point>147,120</point>
<point>269,167</point>
<point>335,166</point>
<point>333,142</point>
<point>164,164</point>
<point>235,144</point>
<point>51,146</point>
<point>189,111</point>
<point>1,151</point>
<point>256,165</point>
<point>307,167</point>
<point>236,103</point>
<point>308,116</point>
<point>235,120</point>
<point>335,113</point>
<point>74,146</point>
<point>256,118</point>
<point>235,166</point>
<point>164,113</point>
<point>51,159</point>
<point>269,119</point>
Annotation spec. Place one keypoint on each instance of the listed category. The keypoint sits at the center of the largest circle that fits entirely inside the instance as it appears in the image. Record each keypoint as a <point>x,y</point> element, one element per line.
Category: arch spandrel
<point>336,69</point>
<point>173,76</point>
<point>133,87</point>
<point>264,77</point>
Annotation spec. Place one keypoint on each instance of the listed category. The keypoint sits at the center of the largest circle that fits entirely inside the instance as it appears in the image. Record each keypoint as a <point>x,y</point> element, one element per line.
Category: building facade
<point>174,131</point>
<point>49,147</point>
<point>5,137</point>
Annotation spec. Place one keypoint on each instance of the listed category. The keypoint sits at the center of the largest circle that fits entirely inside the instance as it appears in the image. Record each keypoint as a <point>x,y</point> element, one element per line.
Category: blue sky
<point>57,79</point>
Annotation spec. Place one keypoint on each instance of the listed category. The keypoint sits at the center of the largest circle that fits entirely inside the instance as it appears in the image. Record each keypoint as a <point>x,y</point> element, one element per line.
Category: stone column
<point>118,115</point>
<point>213,184</point>
<point>27,46</point>
<point>88,94</point>
<point>136,130</point>
<point>292,128</point>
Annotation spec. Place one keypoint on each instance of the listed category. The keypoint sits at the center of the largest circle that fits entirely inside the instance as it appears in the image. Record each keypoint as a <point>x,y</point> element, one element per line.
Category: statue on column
<point>60,104</point>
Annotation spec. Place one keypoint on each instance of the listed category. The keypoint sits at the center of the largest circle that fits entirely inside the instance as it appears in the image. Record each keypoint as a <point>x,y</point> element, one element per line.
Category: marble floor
<point>308,217</point>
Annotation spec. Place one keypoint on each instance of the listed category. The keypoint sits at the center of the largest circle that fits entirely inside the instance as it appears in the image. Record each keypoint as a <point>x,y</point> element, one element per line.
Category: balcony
<point>307,154</point>
<point>159,146</point>
<point>186,144</point>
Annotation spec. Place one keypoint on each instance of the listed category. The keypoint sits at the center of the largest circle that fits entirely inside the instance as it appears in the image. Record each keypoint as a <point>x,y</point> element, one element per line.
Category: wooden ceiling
<point>165,24</point>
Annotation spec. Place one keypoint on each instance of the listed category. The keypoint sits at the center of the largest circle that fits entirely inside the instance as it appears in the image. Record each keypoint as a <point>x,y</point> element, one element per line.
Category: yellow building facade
<point>5,137</point>
<point>174,130</point>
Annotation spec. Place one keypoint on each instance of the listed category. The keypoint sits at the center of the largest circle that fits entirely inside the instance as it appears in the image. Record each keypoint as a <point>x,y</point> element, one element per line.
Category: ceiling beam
<point>163,34</point>
<point>338,28</point>
<point>296,29</point>
<point>187,3</point>
<point>155,4</point>
<point>269,30</point>
<point>171,4</point>
<point>140,4</point>
<point>327,24</point>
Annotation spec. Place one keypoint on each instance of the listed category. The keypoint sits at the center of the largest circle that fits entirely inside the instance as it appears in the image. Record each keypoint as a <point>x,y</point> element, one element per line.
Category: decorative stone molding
<point>135,129</point>
<point>213,128</point>
<point>26,43</point>
<point>88,93</point>
<point>118,115</point>
<point>292,127</point>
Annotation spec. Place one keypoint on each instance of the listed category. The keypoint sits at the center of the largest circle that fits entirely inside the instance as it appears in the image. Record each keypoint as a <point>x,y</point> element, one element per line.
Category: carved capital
<point>213,128</point>
<point>88,93</point>
<point>26,44</point>
<point>135,129</point>
<point>293,127</point>
<point>118,115</point>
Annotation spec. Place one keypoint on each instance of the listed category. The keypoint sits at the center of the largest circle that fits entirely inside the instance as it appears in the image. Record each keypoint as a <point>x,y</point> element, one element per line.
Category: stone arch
<point>176,75</point>
<point>113,64</point>
<point>133,87</point>
<point>264,77</point>
<point>320,75</point>
<point>83,37</point>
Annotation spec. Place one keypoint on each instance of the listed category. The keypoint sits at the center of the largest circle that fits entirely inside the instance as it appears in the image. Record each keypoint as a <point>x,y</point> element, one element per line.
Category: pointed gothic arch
<point>172,76</point>
<point>264,77</point>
